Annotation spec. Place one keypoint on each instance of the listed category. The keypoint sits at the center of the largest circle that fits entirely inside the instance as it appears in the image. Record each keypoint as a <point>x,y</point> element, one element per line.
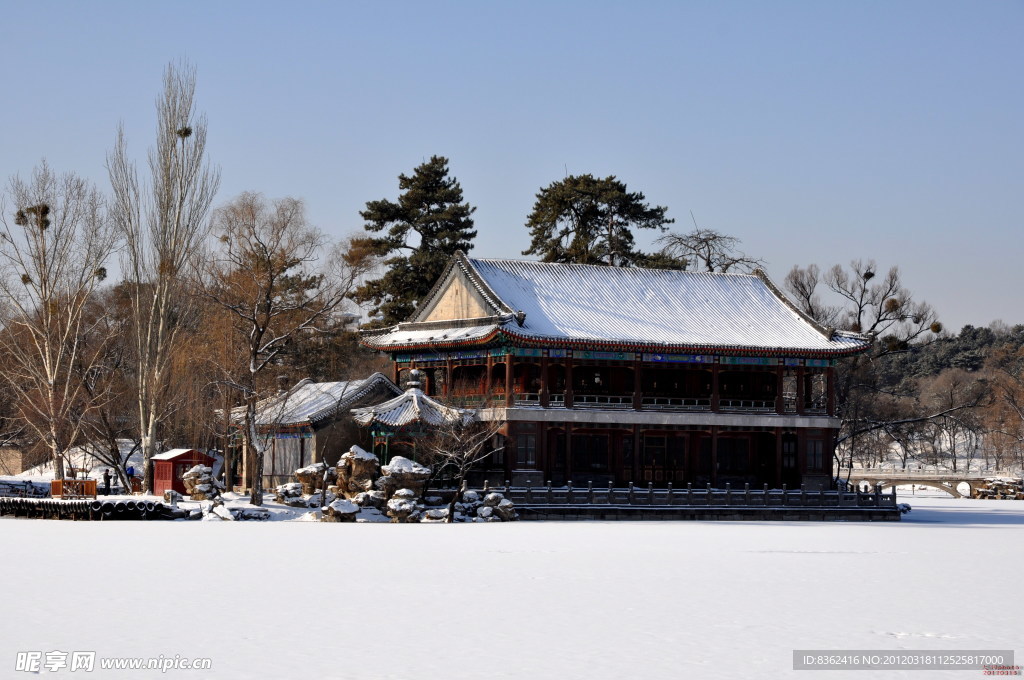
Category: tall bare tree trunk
<point>165,228</point>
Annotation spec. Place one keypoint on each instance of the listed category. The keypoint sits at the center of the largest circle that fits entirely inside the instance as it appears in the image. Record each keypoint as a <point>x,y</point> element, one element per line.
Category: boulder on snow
<point>370,499</point>
<point>290,494</point>
<point>318,500</point>
<point>215,511</point>
<point>403,508</point>
<point>402,473</point>
<point>494,508</point>
<point>356,472</point>
<point>341,510</point>
<point>251,514</point>
<point>311,477</point>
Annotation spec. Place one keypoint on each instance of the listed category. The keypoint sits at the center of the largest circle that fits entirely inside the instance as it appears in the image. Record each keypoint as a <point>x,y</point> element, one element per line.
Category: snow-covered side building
<point>607,374</point>
<point>310,423</point>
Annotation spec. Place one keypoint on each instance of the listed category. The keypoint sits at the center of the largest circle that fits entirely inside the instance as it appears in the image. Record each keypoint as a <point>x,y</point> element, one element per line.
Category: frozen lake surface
<point>518,600</point>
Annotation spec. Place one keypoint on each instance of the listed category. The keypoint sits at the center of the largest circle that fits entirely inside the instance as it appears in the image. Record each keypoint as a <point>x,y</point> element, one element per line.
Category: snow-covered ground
<point>516,600</point>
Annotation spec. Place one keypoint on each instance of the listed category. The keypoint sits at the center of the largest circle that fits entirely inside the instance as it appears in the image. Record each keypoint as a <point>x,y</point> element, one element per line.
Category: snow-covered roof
<point>538,303</point>
<point>412,406</point>
<point>309,402</point>
<point>173,453</point>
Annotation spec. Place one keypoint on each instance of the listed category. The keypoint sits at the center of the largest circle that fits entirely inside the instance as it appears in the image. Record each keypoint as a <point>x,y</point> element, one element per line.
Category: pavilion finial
<point>416,377</point>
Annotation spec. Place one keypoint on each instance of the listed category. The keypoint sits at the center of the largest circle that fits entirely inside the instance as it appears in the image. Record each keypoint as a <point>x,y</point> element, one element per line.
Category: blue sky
<point>814,131</point>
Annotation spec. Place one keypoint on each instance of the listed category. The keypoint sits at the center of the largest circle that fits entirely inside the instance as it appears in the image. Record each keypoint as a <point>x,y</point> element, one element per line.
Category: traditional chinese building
<point>608,374</point>
<point>310,423</point>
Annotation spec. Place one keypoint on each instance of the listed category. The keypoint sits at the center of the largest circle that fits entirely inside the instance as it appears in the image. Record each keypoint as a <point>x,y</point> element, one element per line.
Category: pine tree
<point>424,228</point>
<point>587,220</point>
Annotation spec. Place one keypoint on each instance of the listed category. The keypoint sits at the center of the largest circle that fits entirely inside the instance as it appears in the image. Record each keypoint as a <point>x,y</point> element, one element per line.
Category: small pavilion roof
<point>411,407</point>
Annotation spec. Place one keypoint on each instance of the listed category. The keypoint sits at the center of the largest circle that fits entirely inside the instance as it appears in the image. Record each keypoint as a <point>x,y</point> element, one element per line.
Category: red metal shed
<point>169,466</point>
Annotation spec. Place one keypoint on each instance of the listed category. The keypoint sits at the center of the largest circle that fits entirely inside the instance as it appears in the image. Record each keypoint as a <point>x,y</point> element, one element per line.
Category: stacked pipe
<point>87,510</point>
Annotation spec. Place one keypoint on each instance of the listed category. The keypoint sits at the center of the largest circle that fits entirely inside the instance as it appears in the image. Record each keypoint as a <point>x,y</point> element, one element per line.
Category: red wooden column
<point>545,394</point>
<point>487,377</point>
<point>450,367</point>
<point>568,379</point>
<point>714,385</point>
<point>800,388</point>
<point>780,381</point>
<point>508,379</point>
<point>637,396</point>
<point>830,372</point>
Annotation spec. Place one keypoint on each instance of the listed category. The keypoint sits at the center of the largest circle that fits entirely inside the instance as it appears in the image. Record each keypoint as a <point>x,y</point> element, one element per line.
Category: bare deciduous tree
<point>453,448</point>
<point>53,251</point>
<point>164,225</point>
<point>263,276</point>
<point>882,308</point>
<point>707,250</point>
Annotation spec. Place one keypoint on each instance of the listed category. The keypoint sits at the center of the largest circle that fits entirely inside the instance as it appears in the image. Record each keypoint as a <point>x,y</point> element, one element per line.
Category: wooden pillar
<point>714,456</point>
<point>780,381</point>
<point>543,463</point>
<point>800,390</point>
<point>778,457</point>
<point>545,393</point>
<point>714,386</point>
<point>487,378</point>
<point>692,451</point>
<point>638,402</point>
<point>508,379</point>
<point>568,379</point>
<point>449,377</point>
<point>828,455</point>
<point>510,451</point>
<point>801,453</point>
<point>830,372</point>
<point>568,452</point>
<point>637,440</point>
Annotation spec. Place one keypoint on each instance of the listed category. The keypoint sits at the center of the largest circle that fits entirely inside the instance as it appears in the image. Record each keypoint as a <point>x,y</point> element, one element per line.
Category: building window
<point>789,452</point>
<point>526,451</point>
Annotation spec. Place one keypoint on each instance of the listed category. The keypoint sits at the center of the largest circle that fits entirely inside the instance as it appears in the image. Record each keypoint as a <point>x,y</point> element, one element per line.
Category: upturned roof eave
<point>519,339</point>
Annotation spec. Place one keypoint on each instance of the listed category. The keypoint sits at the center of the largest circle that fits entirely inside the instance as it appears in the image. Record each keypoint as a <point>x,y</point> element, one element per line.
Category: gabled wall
<point>458,300</point>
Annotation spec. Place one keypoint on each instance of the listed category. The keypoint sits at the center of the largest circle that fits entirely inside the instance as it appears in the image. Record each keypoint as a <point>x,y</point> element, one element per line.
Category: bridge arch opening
<point>951,489</point>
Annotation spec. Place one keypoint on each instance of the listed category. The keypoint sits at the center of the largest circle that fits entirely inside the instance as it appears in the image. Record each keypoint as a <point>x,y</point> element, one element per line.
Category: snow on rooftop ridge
<point>657,308</point>
<point>310,402</point>
<point>412,406</point>
<point>168,455</point>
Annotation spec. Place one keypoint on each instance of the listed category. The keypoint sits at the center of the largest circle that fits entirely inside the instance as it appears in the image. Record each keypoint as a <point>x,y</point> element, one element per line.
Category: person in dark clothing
<point>106,482</point>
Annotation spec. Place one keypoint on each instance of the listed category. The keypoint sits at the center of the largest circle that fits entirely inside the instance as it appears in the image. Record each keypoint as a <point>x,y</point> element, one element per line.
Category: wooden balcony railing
<point>677,403</point>
<point>616,401</point>
<point>755,405</point>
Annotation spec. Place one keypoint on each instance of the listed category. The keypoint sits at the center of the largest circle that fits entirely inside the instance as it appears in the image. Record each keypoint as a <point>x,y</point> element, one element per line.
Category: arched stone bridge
<point>947,481</point>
